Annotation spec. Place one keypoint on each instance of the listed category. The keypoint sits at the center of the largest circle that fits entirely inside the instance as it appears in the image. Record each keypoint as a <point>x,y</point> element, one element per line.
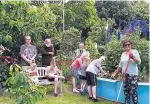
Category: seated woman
<point>54,75</point>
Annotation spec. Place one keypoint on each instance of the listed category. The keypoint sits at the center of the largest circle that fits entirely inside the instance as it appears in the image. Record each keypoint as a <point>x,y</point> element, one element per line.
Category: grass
<point>67,97</point>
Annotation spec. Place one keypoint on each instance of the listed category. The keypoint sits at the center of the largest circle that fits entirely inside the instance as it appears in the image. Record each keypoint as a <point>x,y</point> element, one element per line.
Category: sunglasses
<point>127,44</point>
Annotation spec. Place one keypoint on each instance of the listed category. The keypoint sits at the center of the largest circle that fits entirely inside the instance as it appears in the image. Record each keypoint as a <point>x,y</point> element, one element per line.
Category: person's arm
<point>56,76</point>
<point>135,56</point>
<point>52,53</point>
<point>43,51</point>
<point>33,58</point>
<point>101,69</point>
<point>24,58</point>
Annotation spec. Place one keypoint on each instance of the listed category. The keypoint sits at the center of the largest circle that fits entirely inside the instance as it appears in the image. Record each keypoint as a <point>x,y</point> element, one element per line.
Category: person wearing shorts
<point>54,75</point>
<point>75,67</point>
<point>91,72</point>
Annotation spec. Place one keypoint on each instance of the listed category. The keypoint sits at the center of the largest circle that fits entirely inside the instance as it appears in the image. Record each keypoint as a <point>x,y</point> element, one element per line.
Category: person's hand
<point>29,61</point>
<point>105,74</point>
<point>115,74</point>
<point>51,53</point>
<point>131,56</point>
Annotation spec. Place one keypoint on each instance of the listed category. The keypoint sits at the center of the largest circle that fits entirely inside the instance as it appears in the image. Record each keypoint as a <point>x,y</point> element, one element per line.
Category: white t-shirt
<point>94,66</point>
<point>132,68</point>
<point>56,70</point>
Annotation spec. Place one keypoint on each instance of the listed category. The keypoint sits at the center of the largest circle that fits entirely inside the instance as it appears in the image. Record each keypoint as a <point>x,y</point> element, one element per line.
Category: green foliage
<point>114,9</point>
<point>20,18</point>
<point>70,42</point>
<point>57,10</point>
<point>98,32</point>
<point>4,75</point>
<point>115,49</point>
<point>22,89</point>
<point>124,10</point>
<point>140,8</point>
<point>113,52</point>
<point>81,15</point>
<point>143,76</point>
<point>90,46</point>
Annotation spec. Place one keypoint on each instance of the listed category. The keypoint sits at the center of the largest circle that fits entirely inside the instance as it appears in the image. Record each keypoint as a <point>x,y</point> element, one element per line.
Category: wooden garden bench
<point>41,78</point>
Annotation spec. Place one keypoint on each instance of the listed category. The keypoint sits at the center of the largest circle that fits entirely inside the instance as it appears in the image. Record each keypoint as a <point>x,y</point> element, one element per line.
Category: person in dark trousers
<point>47,51</point>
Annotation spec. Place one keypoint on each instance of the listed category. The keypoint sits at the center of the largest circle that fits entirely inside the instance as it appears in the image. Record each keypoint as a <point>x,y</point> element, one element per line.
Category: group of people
<point>28,53</point>
<point>85,69</point>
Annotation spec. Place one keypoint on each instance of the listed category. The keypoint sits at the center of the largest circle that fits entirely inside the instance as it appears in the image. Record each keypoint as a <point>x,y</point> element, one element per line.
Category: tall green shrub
<point>70,42</point>
<point>4,75</point>
<point>90,46</point>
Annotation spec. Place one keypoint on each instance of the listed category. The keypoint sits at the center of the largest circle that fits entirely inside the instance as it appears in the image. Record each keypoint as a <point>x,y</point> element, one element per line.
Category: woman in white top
<point>131,76</point>
<point>54,75</point>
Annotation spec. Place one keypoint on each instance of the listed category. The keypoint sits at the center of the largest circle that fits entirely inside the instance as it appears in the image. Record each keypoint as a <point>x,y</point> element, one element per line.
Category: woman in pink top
<point>76,65</point>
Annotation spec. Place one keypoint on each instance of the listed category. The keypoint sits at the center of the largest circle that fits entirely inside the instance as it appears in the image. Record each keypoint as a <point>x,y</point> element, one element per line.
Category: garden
<point>101,25</point>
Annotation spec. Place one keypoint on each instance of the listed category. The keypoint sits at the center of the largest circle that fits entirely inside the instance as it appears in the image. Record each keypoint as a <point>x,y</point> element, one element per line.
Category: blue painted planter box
<point>108,89</point>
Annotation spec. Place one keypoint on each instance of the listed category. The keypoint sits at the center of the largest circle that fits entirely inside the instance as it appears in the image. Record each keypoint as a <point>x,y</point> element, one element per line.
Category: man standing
<point>79,51</point>
<point>47,52</point>
<point>28,52</point>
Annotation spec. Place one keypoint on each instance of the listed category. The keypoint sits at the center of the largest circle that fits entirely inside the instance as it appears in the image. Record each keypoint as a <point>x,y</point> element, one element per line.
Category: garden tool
<point>123,78</point>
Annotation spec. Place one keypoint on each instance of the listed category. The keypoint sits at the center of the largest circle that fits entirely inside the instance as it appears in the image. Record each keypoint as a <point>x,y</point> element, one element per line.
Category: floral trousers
<point>130,88</point>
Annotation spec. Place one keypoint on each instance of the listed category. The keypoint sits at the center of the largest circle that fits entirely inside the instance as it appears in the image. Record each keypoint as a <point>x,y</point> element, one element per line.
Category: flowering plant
<point>7,59</point>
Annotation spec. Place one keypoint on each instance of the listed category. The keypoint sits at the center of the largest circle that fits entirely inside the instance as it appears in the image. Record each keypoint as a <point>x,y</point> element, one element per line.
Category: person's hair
<point>127,41</point>
<point>81,43</point>
<point>102,58</point>
<point>26,37</point>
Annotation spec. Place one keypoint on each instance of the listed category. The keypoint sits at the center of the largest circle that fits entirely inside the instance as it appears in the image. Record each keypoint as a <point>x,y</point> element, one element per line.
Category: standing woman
<point>75,67</point>
<point>131,77</point>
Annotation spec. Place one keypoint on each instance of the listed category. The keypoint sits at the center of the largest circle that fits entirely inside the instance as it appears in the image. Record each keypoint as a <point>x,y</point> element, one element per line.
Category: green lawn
<point>67,97</point>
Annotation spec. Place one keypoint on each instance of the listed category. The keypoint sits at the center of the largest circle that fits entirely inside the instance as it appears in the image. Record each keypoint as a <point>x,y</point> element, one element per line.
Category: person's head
<point>127,45</point>
<point>102,59</point>
<point>52,63</point>
<point>47,42</point>
<point>27,40</point>
<point>81,46</point>
<point>33,66</point>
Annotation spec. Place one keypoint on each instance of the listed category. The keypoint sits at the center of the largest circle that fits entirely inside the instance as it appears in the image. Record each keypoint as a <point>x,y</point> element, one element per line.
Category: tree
<point>140,9</point>
<point>122,10</point>
<point>20,18</point>
<point>81,15</point>
<point>114,9</point>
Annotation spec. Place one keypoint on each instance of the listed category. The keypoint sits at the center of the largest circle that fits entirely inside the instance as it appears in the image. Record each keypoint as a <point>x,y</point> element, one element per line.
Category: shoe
<point>55,94</point>
<point>90,98</point>
<point>95,100</point>
<point>75,91</point>
<point>81,92</point>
